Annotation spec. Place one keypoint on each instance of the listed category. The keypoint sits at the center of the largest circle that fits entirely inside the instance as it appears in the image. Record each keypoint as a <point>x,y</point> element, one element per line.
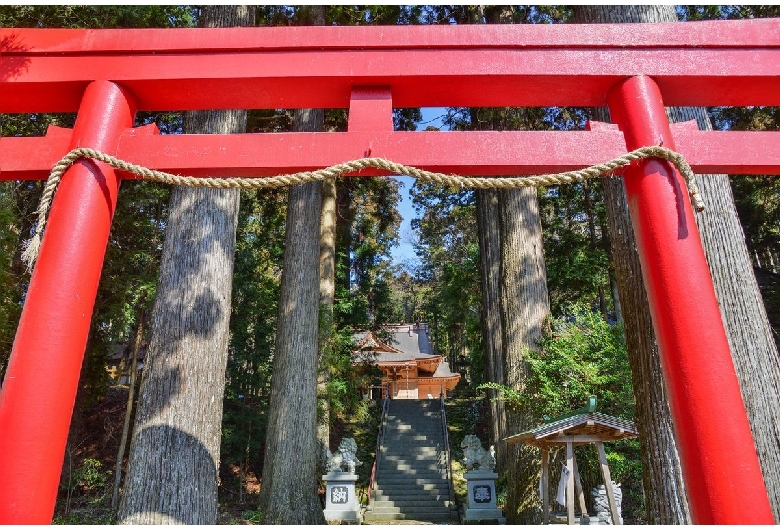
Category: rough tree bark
<point>524,308</point>
<point>174,454</point>
<point>327,299</point>
<point>515,305</point>
<point>489,233</point>
<point>753,348</point>
<point>289,487</point>
<point>742,309</point>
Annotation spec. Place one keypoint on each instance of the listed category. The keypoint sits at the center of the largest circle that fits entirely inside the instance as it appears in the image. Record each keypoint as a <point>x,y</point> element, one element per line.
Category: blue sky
<point>404,251</point>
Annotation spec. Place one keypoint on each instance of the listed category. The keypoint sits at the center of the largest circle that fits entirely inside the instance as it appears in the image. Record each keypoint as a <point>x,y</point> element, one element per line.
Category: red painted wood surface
<point>732,63</point>
<point>36,401</point>
<point>467,153</point>
<point>713,435</point>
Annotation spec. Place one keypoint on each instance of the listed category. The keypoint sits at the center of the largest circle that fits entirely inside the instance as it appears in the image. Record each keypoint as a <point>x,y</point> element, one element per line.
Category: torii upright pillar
<point>713,435</point>
<point>37,397</point>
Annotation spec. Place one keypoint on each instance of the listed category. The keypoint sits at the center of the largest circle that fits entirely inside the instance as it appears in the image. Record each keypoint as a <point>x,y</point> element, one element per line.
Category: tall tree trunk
<point>489,235</point>
<point>327,299</point>
<point>174,454</point>
<point>524,308</point>
<point>742,309</point>
<point>666,501</point>
<point>289,487</point>
<point>515,306</point>
<point>344,219</point>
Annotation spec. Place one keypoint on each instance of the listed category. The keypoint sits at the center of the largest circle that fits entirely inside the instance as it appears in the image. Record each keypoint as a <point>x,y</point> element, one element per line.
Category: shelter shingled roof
<point>580,426</point>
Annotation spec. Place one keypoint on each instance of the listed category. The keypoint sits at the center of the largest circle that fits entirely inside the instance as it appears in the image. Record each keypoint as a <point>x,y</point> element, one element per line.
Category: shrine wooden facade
<point>410,369</point>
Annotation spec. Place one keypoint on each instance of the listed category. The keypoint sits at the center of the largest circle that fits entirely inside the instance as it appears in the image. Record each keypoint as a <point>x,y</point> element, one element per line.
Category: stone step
<point>391,455</point>
<point>389,475</point>
<point>412,503</point>
<point>439,515</point>
<point>410,510</point>
<point>405,452</point>
<point>398,454</point>
<point>429,488</point>
<point>392,481</point>
<point>406,430</point>
<point>406,495</point>
<point>393,490</point>
<point>397,466</point>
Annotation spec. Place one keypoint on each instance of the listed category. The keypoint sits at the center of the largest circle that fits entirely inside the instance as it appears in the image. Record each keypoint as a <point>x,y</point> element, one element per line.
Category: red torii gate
<point>107,75</point>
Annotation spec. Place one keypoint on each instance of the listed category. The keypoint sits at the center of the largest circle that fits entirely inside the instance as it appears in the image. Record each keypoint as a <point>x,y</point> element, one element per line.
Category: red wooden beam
<point>467,153</point>
<point>716,63</point>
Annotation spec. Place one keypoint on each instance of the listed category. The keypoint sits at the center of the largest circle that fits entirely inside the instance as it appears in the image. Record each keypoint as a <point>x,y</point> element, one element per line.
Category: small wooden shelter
<point>582,426</point>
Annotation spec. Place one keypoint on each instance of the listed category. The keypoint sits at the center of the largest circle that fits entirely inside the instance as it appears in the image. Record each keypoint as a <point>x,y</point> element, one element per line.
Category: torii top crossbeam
<point>107,75</point>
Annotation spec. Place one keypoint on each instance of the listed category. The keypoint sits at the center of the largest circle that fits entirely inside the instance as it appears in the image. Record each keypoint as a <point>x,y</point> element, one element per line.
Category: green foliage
<point>253,516</point>
<point>582,355</point>
<point>90,475</point>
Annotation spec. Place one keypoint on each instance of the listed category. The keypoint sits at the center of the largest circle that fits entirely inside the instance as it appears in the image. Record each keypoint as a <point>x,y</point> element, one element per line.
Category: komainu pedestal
<point>341,503</point>
<point>482,497</point>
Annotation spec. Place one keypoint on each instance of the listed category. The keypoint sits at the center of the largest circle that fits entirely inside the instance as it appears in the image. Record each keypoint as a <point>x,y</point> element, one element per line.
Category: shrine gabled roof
<point>582,426</point>
<point>409,343</point>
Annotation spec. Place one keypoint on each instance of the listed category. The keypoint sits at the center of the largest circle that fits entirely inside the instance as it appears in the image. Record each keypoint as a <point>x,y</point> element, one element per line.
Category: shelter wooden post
<point>608,483</point>
<point>570,483</point>
<point>578,487</point>
<point>545,485</point>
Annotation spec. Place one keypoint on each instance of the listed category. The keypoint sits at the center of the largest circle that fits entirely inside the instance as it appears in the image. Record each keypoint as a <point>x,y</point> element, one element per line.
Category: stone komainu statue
<point>474,456</point>
<point>345,458</point>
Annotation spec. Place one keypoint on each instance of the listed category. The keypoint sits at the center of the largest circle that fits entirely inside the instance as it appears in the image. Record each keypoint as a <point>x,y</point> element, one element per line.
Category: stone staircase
<point>411,478</point>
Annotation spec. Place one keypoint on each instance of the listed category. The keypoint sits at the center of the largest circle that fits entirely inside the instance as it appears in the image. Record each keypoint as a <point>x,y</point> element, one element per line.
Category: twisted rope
<point>606,169</point>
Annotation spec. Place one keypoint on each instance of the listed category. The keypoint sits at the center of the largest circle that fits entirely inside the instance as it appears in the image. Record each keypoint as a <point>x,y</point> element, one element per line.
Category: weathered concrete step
<point>412,447</point>
<point>390,494</point>
<point>409,437</point>
<point>449,515</point>
<point>393,490</point>
<point>408,510</point>
<point>392,481</point>
<point>399,478</point>
<point>394,456</point>
<point>411,503</point>
<point>401,452</point>
<point>415,468</point>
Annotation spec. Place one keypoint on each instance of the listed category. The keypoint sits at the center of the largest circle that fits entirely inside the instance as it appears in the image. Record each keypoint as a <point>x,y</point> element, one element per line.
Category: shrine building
<point>410,369</point>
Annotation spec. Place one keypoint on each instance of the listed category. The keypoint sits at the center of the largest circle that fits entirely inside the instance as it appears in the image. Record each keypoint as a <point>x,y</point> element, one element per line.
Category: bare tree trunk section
<point>327,299</point>
<point>524,309</point>
<point>120,454</point>
<point>174,454</point>
<point>289,487</point>
<point>753,348</point>
<point>489,230</point>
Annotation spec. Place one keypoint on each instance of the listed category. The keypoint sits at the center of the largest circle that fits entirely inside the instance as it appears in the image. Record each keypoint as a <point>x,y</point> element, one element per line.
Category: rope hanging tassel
<point>32,246</point>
